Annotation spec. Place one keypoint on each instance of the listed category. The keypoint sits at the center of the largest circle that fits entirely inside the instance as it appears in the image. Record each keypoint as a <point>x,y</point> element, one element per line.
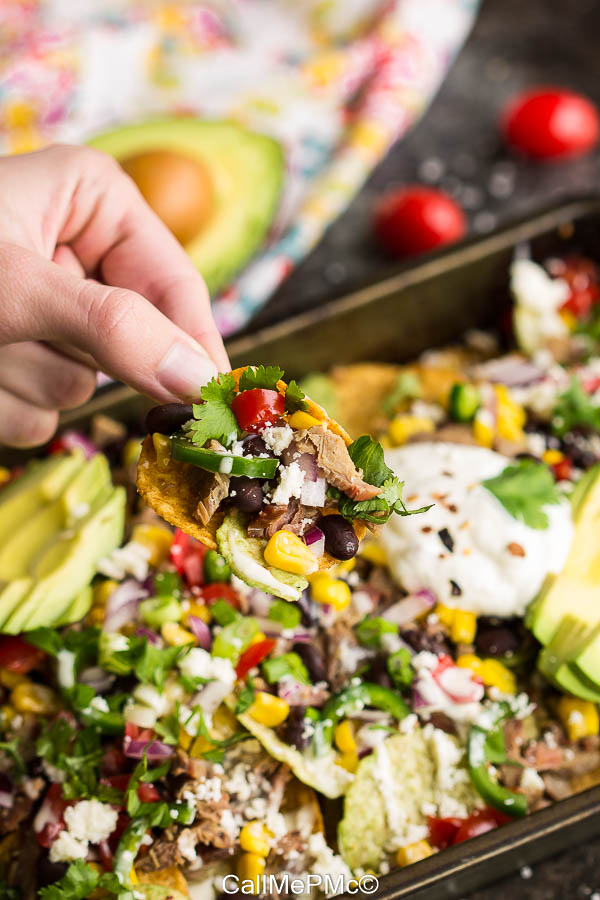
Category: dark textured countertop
<point>514,43</point>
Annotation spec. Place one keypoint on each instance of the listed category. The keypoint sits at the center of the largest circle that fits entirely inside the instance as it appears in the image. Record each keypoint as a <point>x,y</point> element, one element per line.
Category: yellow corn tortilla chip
<point>173,491</point>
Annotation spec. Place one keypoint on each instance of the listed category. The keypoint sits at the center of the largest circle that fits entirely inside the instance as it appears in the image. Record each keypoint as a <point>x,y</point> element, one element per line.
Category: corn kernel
<point>569,318</point>
<point>258,638</point>
<point>250,867</point>
<point>483,430</point>
<point>28,697</point>
<point>464,626</point>
<point>7,714</point>
<point>405,856</point>
<point>185,739</point>
<point>344,737</point>
<point>511,416</point>
<point>131,452</point>
<point>404,427</point>
<point>348,761</point>
<point>268,709</point>
<point>162,448</point>
<point>156,539</point>
<point>494,674</point>
<point>175,635</point>
<point>470,661</point>
<point>103,590</point>
<point>255,837</point>
<point>4,474</point>
<point>344,567</point>
<point>95,615</point>
<point>552,457</point>
<point>302,420</point>
<point>330,591</point>
<point>287,552</point>
<point>445,614</point>
<point>579,717</point>
<point>200,610</point>
<point>133,879</point>
<point>373,553</point>
<point>200,746</point>
<point>11,679</point>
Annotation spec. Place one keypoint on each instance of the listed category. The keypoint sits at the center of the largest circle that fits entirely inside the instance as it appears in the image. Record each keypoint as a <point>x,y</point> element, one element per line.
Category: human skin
<point>90,279</point>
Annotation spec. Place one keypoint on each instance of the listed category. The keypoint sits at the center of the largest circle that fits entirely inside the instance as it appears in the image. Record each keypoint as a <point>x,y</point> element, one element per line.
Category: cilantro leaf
<point>574,408</point>
<point>214,419</point>
<point>47,639</point>
<point>12,750</point>
<point>372,628</point>
<point>295,398</point>
<point>78,755</point>
<point>524,488</point>
<point>367,455</point>
<point>168,729</point>
<point>78,882</point>
<point>265,377</point>
<point>245,697</point>
<point>154,662</point>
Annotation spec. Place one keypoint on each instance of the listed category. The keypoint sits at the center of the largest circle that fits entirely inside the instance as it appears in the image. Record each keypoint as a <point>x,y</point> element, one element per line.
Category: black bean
<point>313,660</point>
<point>420,640</point>
<point>496,640</point>
<point>247,494</point>
<point>49,872</point>
<point>378,673</point>
<point>168,418</point>
<point>255,446</point>
<point>295,728</point>
<point>340,540</point>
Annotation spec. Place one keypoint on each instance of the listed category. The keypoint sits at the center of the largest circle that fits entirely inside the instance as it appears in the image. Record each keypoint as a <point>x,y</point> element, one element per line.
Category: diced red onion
<point>97,678</point>
<point>71,440</point>
<point>151,636</point>
<point>313,492</point>
<point>418,700</point>
<point>155,750</point>
<point>122,604</point>
<point>201,632</point>
<point>296,694</point>
<point>512,370</point>
<point>315,539</point>
<point>409,608</point>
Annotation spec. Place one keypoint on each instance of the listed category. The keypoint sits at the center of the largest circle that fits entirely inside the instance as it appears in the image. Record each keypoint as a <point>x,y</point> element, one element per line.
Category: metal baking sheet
<point>422,306</point>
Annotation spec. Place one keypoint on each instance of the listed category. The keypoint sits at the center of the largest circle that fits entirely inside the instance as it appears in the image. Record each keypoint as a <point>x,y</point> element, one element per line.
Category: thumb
<point>126,335</point>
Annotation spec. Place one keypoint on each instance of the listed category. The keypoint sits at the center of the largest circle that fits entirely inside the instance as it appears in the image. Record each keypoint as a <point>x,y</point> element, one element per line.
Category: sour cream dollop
<point>468,549</point>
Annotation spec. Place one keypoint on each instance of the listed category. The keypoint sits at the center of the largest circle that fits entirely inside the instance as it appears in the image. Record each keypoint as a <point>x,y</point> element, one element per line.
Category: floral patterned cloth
<point>336,81</point>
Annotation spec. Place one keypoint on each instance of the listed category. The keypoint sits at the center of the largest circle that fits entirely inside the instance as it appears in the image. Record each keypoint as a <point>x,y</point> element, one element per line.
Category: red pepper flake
<point>515,549</point>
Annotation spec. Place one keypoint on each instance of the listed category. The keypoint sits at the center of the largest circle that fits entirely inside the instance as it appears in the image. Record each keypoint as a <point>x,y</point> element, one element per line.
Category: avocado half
<point>245,169</point>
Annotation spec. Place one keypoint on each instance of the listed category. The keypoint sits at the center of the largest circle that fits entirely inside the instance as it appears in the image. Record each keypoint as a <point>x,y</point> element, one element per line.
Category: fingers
<point>112,230</point>
<point>42,377</point>
<point>24,425</point>
<point>127,336</point>
<point>66,259</point>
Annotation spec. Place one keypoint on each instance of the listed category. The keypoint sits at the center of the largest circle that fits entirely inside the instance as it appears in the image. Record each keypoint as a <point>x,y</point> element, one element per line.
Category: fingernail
<point>185,370</point>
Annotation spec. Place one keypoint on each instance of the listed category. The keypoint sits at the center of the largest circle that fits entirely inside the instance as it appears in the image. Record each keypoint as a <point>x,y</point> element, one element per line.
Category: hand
<point>91,279</point>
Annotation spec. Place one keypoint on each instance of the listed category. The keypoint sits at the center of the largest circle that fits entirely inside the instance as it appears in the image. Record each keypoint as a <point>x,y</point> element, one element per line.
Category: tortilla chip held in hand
<point>258,471</point>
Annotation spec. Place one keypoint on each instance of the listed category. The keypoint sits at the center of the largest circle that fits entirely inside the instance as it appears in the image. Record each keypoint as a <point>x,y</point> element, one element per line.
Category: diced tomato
<point>49,821</point>
<point>120,782</point>
<point>442,832</point>
<point>562,470</point>
<point>256,409</point>
<point>417,219</point>
<point>135,733</point>
<point>114,760</point>
<point>18,656</point>
<point>107,848</point>
<point>50,832</point>
<point>187,555</point>
<point>479,822</point>
<point>583,279</point>
<point>253,656</point>
<point>147,793</point>
<point>210,593</point>
<point>551,123</point>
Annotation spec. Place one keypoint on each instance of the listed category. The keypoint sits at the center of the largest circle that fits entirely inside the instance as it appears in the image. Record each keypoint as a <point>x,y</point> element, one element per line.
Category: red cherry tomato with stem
<point>551,123</point>
<point>416,219</point>
<point>257,408</point>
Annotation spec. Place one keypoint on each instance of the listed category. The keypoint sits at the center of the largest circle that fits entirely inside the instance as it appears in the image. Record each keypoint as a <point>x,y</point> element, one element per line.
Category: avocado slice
<point>69,565</point>
<point>87,484</point>
<point>11,595</point>
<point>245,558</point>
<point>246,173</point>
<point>556,660</point>
<point>79,608</point>
<point>579,581</point>
<point>43,482</point>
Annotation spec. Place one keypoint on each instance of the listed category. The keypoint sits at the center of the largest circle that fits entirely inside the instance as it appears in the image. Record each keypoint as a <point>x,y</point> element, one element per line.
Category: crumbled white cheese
<point>277,437</point>
<point>132,559</point>
<point>531,781</point>
<point>66,848</point>
<point>326,862</point>
<point>91,820</point>
<point>186,844</point>
<point>65,660</point>
<point>100,704</point>
<point>226,465</point>
<point>538,299</point>
<point>152,697</point>
<point>291,479</point>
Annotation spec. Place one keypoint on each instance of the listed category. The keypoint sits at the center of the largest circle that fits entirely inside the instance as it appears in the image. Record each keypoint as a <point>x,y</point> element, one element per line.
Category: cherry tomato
<point>258,408</point>
<point>147,793</point>
<point>210,593</point>
<point>416,219</point>
<point>582,277</point>
<point>18,656</point>
<point>49,821</point>
<point>187,555</point>
<point>443,831</point>
<point>562,469</point>
<point>551,123</point>
<point>479,822</point>
<point>253,656</point>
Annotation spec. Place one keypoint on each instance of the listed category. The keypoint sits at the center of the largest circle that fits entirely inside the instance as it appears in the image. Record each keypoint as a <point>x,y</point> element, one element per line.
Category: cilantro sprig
<point>80,881</point>
<point>78,755</point>
<point>265,377</point>
<point>524,488</point>
<point>214,418</point>
<point>574,408</point>
<point>367,455</point>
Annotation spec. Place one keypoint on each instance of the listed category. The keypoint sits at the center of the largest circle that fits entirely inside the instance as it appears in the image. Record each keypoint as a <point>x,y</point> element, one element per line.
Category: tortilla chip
<point>173,491</point>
